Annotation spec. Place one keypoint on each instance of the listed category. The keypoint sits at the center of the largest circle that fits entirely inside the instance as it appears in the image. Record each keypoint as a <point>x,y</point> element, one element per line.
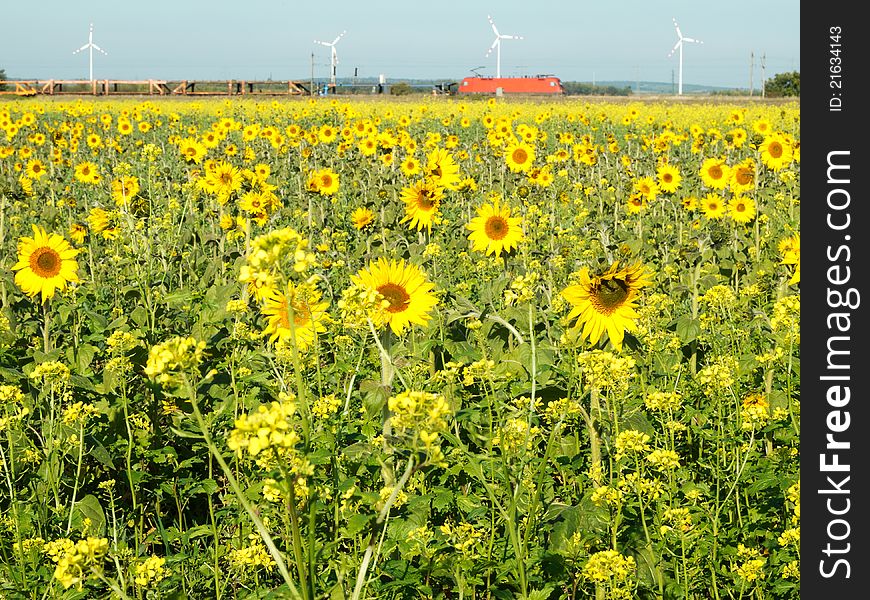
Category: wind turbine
<point>496,44</point>
<point>679,44</point>
<point>334,60</point>
<point>90,47</point>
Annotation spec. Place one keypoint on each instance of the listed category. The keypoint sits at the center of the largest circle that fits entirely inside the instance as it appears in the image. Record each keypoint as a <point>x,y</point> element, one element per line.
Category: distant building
<point>539,84</point>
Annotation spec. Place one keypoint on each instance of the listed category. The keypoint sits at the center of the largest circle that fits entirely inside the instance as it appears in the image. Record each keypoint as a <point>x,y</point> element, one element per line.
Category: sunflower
<point>442,169</point>
<point>223,180</point>
<point>714,173</point>
<point>46,262</point>
<point>493,230</point>
<point>421,204</point>
<point>776,152</point>
<point>404,286</point>
<point>192,150</point>
<point>124,189</point>
<point>297,313</point>
<point>606,302</point>
<point>647,187</point>
<point>741,209</point>
<point>324,181</point>
<point>410,166</point>
<point>519,156</point>
<point>87,172</point>
<point>669,178</point>
<point>636,203</point>
<point>713,206</point>
<point>35,168</point>
<point>362,217</point>
<point>743,176</point>
<point>790,249</point>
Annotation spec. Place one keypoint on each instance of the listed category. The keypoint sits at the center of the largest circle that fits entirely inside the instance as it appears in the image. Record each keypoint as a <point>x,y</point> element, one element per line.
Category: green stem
<point>240,495</point>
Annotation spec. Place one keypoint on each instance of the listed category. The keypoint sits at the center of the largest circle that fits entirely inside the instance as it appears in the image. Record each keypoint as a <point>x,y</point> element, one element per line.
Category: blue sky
<point>605,40</point>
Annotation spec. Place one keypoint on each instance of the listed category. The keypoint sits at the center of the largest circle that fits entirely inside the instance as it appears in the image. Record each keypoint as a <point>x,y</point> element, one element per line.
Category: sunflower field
<point>438,348</point>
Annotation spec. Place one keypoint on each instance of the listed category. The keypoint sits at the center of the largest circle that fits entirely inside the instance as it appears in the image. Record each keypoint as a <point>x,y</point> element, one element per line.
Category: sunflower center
<point>396,296</point>
<point>775,149</point>
<point>743,177</point>
<point>437,171</point>
<point>520,156</point>
<point>740,207</point>
<point>326,181</point>
<point>496,228</point>
<point>667,177</point>
<point>425,201</point>
<point>45,262</point>
<point>610,295</point>
<point>715,172</point>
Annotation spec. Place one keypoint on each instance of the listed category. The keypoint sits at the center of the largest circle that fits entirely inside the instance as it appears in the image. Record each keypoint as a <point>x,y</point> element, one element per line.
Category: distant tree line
<point>576,88</point>
<point>2,78</point>
<point>783,84</point>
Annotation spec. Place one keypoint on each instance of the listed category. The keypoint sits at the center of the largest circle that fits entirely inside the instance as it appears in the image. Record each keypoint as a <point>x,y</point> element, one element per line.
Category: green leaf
<point>139,316</point>
<point>356,524</point>
<point>89,508</point>
<point>688,329</point>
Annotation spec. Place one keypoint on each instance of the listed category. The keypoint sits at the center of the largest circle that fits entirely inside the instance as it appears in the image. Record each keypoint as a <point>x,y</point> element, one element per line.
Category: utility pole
<point>763,57</point>
<point>751,67</point>
<point>312,74</point>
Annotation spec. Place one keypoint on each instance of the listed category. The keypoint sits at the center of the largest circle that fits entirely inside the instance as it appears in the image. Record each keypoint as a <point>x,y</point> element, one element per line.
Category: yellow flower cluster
<point>266,433</point>
<point>479,370</point>
<point>420,416</point>
<point>326,406</point>
<point>79,413</point>
<point>606,370</point>
<point>121,342</point>
<point>718,375</point>
<point>663,459</point>
<point>272,250</point>
<point>631,441</point>
<point>786,318</point>
<point>679,519</point>
<point>52,373</point>
<point>169,360</point>
<point>567,410</point>
<point>755,411</point>
<point>515,435</point>
<point>752,567</point>
<point>663,401</point>
<point>608,566</point>
<point>252,556</point>
<point>607,495</point>
<point>76,560</point>
<point>719,298</point>
<point>463,537</point>
<point>150,571</point>
<point>359,303</point>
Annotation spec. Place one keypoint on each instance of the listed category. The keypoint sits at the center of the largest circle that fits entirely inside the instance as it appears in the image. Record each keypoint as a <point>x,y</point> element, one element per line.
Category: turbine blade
<point>85,47</point>
<point>491,22</point>
<point>511,37</point>
<point>100,49</point>
<point>679,33</point>
<point>692,40</point>
<point>491,48</point>
<point>340,35</point>
<point>674,49</point>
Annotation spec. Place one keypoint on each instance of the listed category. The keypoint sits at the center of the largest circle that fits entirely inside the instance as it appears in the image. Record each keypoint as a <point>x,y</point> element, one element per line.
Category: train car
<point>540,84</point>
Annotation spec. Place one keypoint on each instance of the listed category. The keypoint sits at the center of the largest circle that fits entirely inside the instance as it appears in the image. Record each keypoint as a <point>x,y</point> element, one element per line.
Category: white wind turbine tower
<point>679,44</point>
<point>496,44</point>
<point>90,47</point>
<point>334,58</point>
